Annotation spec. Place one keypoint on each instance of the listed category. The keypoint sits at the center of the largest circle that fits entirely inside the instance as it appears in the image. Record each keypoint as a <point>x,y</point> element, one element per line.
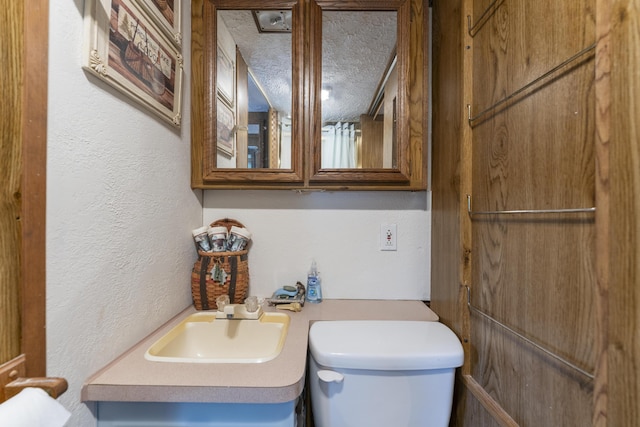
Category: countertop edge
<point>278,381</point>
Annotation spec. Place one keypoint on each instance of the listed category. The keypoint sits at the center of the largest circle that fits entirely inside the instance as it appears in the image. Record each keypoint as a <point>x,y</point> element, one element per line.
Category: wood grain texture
<point>370,153</point>
<point>537,274</point>
<point>446,244</point>
<point>34,173</point>
<point>473,413</point>
<point>11,56</point>
<point>624,179</point>
<point>530,386</point>
<point>305,174</point>
<point>53,386</point>
<point>197,94</point>
<point>603,217</point>
<point>523,40</point>
<point>497,412</point>
<point>10,371</point>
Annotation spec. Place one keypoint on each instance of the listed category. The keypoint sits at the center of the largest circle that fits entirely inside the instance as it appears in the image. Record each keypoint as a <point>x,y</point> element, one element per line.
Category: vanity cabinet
<point>178,414</point>
<point>309,94</point>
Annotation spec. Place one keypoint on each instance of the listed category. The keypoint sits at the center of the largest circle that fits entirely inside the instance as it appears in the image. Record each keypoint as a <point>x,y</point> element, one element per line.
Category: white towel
<point>33,407</point>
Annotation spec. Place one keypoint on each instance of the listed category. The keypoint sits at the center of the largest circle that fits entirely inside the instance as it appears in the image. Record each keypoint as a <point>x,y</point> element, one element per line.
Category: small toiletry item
<point>201,239</point>
<point>238,239</point>
<point>218,238</point>
<point>314,289</point>
<point>285,291</point>
<point>294,306</point>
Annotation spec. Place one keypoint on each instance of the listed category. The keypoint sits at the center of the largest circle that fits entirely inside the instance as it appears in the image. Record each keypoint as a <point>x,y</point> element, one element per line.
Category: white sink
<point>203,338</point>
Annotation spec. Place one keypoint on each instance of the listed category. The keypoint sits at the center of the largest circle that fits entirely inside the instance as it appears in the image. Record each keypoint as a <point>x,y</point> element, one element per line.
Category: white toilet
<point>382,373</point>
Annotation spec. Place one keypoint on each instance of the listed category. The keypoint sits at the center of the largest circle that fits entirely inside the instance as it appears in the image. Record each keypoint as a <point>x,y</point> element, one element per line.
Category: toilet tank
<point>382,373</point>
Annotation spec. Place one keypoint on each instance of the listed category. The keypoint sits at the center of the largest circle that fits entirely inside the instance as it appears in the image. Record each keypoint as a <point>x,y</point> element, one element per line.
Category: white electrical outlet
<point>388,237</point>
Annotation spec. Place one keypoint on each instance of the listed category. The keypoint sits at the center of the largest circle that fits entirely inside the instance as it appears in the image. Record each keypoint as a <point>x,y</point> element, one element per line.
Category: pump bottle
<point>314,289</point>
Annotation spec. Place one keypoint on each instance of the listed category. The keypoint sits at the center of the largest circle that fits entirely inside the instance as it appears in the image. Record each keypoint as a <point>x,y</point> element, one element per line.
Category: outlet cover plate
<point>388,237</point>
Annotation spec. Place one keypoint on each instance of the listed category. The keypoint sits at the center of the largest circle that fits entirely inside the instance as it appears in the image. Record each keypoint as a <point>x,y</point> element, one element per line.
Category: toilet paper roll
<point>33,407</point>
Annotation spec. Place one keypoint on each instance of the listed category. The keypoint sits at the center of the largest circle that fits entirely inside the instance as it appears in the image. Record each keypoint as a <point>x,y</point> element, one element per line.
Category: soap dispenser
<point>314,289</point>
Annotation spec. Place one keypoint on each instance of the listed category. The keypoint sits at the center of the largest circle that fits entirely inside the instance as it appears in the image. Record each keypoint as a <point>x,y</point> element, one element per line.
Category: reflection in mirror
<point>263,94</point>
<point>359,89</point>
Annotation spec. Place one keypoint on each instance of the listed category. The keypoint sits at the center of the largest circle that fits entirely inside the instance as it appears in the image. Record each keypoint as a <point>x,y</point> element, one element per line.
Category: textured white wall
<point>341,231</point>
<point>119,215</point>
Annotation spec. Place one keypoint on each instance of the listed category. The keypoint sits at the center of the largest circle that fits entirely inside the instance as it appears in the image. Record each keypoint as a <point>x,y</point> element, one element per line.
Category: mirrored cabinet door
<point>362,77</point>
<point>358,90</point>
<point>309,94</point>
<point>246,112</point>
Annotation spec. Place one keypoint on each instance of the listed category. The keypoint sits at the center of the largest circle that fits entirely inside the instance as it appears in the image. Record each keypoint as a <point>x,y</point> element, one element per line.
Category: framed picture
<point>127,50</point>
<point>225,127</point>
<point>167,13</point>
<point>225,74</point>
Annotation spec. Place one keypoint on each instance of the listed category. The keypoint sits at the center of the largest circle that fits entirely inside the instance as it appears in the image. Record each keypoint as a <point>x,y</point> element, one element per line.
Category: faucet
<point>237,312</point>
<point>230,311</point>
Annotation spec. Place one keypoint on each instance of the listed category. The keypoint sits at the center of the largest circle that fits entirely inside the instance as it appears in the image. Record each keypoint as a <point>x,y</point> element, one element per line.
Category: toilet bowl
<point>382,373</point>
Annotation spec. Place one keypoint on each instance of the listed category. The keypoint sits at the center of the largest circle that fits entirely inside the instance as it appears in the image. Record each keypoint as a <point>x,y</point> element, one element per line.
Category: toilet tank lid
<point>385,345</point>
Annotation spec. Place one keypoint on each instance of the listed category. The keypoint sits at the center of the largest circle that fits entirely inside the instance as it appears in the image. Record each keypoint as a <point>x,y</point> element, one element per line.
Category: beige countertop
<point>131,377</point>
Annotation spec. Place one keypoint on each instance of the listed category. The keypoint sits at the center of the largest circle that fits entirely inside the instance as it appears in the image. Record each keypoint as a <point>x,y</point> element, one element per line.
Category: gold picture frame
<point>126,49</point>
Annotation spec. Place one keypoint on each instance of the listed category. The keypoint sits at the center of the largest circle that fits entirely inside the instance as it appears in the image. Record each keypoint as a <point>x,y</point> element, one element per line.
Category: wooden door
<point>575,290</point>
<point>23,119</point>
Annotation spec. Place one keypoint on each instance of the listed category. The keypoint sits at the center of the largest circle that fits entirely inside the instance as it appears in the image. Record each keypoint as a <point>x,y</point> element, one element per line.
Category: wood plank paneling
<point>535,273</point>
<point>488,403</point>
<point>24,56</point>
<point>623,351</point>
<point>372,142</point>
<point>446,243</point>
<point>11,56</point>
<point>474,414</point>
<point>602,141</point>
<point>520,41</point>
<point>534,389</point>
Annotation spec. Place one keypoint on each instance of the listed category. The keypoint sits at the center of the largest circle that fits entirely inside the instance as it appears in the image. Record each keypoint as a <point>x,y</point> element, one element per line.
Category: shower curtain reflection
<point>339,145</point>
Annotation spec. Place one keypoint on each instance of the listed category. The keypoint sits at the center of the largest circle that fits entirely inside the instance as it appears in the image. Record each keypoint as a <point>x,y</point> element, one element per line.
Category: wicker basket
<point>205,288</point>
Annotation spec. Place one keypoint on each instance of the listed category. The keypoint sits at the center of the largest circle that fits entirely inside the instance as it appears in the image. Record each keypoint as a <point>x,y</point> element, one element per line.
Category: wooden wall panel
<point>532,388</point>
<point>372,145</point>
<point>539,153</point>
<point>536,273</point>
<point>23,119</point>
<point>446,246</point>
<point>474,414</point>
<point>623,143</point>
<point>518,41</point>
<point>11,56</point>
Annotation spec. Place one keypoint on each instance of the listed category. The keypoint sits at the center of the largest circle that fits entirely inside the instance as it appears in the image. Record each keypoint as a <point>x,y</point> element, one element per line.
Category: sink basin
<point>203,338</point>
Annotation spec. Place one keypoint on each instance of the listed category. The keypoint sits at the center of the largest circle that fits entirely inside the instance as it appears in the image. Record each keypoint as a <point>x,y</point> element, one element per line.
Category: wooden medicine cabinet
<point>304,94</point>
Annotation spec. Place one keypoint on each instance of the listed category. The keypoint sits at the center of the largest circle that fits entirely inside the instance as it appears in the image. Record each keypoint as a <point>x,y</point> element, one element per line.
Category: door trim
<point>33,212</point>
